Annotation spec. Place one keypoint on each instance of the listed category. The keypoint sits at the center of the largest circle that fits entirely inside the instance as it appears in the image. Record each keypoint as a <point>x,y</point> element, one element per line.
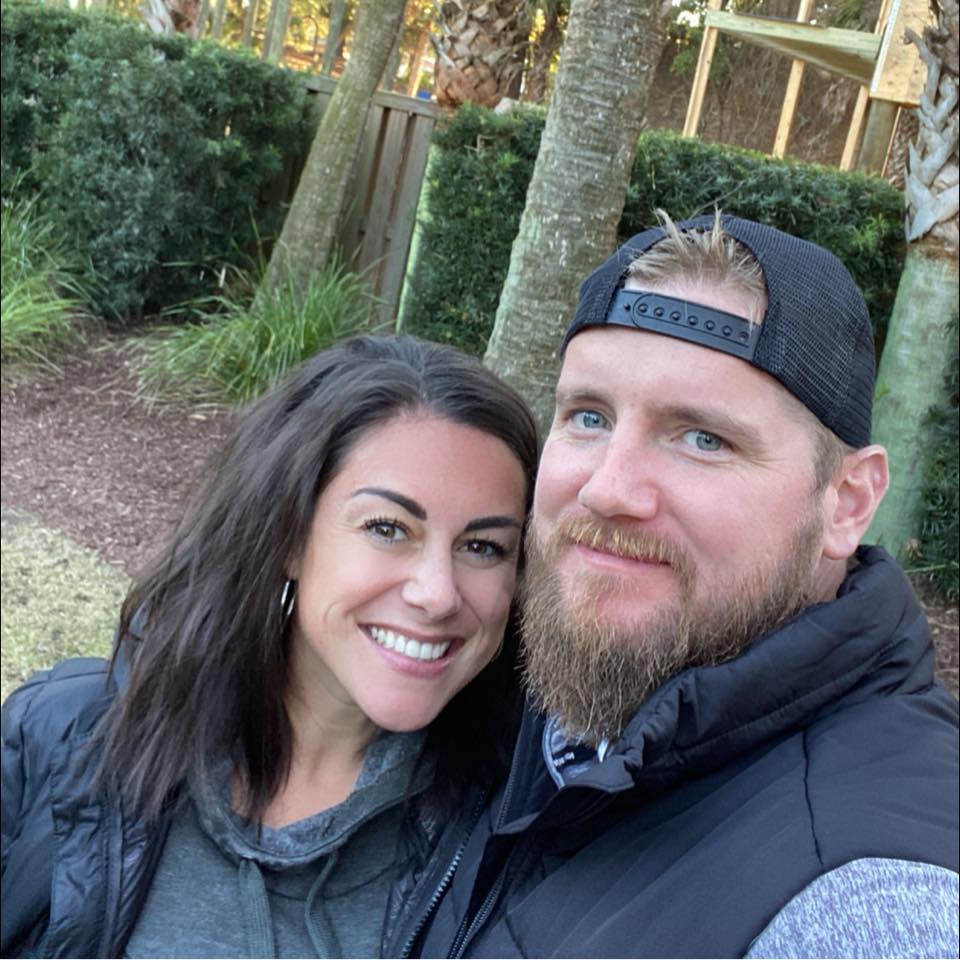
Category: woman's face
<point>408,571</point>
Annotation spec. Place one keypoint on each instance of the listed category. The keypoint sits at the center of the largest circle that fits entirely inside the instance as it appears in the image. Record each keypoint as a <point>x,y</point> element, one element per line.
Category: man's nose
<point>432,585</point>
<point>624,483</point>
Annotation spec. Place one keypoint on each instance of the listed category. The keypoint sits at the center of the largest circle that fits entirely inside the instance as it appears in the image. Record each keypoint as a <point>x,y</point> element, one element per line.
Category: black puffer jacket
<point>76,869</point>
<point>732,789</point>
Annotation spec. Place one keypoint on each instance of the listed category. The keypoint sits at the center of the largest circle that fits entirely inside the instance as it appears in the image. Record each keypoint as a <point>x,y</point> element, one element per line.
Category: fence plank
<point>362,186</point>
<point>377,221</point>
<point>377,228</point>
<point>405,211</point>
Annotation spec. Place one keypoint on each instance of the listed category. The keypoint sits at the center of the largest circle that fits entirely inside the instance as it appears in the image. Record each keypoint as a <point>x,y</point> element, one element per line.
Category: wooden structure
<point>889,71</point>
<point>376,231</point>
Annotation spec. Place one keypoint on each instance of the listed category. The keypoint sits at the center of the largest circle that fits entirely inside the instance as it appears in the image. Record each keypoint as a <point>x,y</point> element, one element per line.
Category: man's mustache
<point>616,539</point>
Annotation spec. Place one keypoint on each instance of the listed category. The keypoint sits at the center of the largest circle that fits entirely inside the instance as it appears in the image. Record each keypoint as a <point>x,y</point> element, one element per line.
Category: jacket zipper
<point>445,880</point>
<point>464,936</point>
<point>469,927</point>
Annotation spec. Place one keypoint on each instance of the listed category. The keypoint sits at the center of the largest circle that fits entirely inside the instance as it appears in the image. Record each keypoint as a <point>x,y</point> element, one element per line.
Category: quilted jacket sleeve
<point>35,720</point>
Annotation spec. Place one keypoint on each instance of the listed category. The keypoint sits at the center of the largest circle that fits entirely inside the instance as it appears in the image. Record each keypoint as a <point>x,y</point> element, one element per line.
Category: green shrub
<point>152,151</point>
<point>254,340</point>
<point>481,165</point>
<point>40,291</point>
<point>939,548</point>
<point>475,188</point>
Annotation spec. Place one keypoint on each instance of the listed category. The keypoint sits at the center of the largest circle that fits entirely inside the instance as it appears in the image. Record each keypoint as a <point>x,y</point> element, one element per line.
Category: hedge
<point>477,179</point>
<point>152,151</point>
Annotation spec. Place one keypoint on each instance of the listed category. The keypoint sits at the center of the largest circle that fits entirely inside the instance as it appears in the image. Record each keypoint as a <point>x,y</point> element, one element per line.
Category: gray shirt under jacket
<point>319,887</point>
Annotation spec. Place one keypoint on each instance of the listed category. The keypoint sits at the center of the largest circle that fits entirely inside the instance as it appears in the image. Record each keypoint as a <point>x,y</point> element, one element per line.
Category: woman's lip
<point>429,667</point>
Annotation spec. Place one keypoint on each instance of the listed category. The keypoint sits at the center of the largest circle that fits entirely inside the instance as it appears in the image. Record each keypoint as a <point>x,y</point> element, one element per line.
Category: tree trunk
<point>202,15</point>
<point>416,63</point>
<point>389,77</point>
<point>219,16</point>
<point>310,229</point>
<point>480,49</point>
<point>921,341</point>
<point>276,31</point>
<point>576,195</point>
<point>249,22</point>
<point>338,16</point>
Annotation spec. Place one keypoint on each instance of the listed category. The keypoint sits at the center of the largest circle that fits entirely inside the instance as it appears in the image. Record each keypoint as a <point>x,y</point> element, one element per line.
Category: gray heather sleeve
<point>868,908</point>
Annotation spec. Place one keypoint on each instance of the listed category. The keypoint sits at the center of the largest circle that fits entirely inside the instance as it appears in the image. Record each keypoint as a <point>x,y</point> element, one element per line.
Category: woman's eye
<point>388,530</point>
<point>485,549</point>
<point>589,419</point>
<point>704,441</point>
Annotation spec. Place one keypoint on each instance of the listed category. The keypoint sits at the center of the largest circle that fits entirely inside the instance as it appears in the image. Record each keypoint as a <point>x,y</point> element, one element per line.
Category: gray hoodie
<point>315,888</point>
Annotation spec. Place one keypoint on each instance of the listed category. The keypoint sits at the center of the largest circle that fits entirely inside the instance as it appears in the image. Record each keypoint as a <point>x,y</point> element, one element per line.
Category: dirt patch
<point>84,456</point>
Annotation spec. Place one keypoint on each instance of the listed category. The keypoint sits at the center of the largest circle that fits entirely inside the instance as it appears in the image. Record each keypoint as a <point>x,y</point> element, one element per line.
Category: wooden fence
<point>382,196</point>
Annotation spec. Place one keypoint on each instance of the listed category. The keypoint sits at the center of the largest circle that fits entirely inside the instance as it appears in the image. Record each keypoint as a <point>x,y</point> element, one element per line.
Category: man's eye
<point>704,441</point>
<point>589,420</point>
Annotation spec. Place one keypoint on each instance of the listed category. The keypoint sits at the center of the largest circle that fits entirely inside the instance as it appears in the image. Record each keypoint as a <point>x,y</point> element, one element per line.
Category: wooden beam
<point>849,53</point>
<point>792,93</point>
<point>900,73</point>
<point>704,61</point>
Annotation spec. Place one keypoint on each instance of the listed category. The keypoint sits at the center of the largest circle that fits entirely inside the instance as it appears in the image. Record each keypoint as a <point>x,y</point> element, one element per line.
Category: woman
<point>308,692</point>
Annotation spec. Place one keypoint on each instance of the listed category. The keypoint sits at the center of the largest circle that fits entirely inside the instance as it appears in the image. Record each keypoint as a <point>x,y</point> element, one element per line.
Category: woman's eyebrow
<point>411,506</point>
<point>487,523</point>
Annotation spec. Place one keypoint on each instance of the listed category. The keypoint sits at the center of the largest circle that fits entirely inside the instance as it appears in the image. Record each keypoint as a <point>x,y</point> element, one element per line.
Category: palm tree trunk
<point>576,195</point>
<point>922,338</point>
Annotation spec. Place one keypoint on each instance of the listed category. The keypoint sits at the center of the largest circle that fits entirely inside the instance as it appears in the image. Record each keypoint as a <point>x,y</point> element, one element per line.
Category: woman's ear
<point>857,487</point>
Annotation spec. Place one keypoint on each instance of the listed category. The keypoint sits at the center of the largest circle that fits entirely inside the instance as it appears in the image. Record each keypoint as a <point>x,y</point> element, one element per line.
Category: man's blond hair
<point>706,258</point>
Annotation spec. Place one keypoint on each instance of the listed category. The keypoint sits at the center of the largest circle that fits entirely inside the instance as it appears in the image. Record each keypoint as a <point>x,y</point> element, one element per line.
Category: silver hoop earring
<point>288,600</point>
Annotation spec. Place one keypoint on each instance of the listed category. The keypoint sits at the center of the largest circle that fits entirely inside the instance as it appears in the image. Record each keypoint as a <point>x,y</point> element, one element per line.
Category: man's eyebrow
<point>411,506</point>
<point>579,397</point>
<point>713,421</point>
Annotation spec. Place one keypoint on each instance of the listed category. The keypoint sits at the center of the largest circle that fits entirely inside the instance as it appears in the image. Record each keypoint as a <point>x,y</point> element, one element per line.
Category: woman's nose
<point>432,586</point>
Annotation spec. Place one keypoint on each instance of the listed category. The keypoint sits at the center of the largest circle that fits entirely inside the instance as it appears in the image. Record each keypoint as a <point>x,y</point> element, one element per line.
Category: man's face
<point>674,519</point>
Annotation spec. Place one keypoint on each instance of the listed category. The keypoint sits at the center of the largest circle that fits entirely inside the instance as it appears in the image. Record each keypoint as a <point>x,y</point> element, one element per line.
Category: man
<point>735,745</point>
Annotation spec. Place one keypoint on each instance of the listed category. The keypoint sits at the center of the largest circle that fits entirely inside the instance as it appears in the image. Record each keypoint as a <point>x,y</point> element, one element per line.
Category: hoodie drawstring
<point>255,909</point>
<point>323,937</point>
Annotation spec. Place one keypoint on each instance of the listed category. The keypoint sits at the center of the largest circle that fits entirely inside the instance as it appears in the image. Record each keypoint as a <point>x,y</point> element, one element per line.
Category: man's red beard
<point>593,669</point>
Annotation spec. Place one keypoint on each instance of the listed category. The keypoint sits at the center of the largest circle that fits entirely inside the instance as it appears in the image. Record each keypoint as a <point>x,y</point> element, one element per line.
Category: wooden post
<point>856,128</point>
<point>881,119</point>
<point>863,98</point>
<point>704,62</point>
<point>792,93</point>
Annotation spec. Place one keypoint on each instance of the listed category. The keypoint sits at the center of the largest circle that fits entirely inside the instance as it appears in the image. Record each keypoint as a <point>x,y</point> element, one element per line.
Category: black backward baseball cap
<point>816,338</point>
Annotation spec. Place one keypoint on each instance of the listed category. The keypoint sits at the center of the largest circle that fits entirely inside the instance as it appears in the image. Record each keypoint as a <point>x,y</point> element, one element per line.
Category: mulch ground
<point>84,455</point>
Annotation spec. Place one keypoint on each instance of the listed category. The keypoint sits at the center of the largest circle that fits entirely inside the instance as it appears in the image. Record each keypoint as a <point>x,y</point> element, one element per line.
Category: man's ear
<point>857,489</point>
